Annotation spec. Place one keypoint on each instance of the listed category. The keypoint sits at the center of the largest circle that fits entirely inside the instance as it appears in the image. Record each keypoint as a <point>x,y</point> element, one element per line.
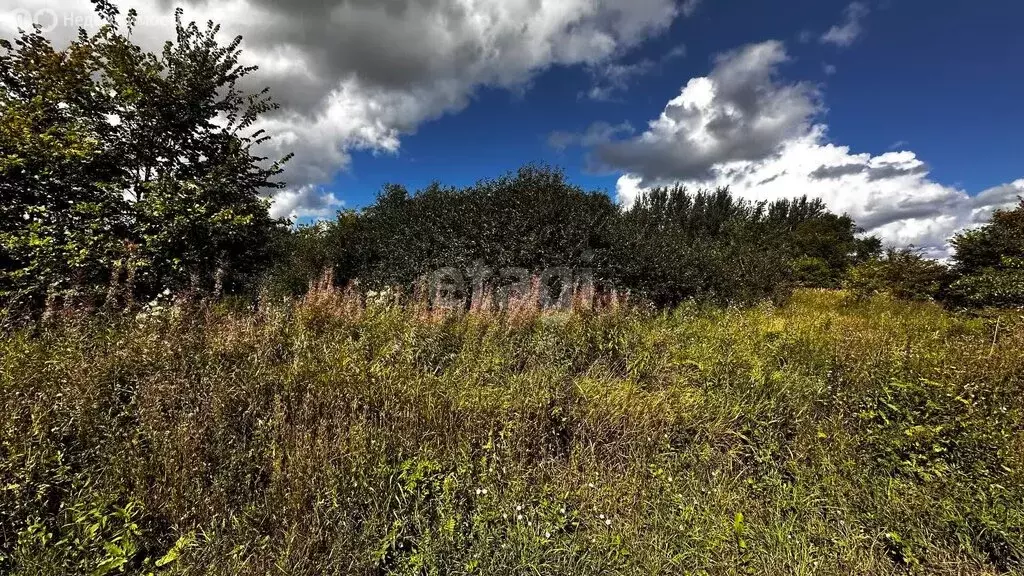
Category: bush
<point>671,246</point>
<point>904,274</point>
<point>1000,287</point>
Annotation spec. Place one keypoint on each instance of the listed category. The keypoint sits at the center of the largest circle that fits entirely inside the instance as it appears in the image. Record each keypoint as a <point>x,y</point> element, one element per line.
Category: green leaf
<point>180,546</point>
<point>108,566</point>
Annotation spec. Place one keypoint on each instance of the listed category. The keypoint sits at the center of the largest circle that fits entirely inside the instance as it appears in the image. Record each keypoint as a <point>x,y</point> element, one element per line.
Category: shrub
<point>905,274</point>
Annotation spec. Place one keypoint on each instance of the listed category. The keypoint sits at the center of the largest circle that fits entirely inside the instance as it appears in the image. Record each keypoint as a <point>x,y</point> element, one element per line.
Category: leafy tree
<point>61,219</point>
<point>826,246</point>
<point>120,166</point>
<point>673,245</point>
<point>990,261</point>
<point>986,247</point>
<point>532,219</point>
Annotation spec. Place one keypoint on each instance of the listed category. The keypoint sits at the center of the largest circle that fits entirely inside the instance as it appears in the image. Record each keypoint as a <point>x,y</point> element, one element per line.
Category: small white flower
<point>529,523</point>
<point>484,491</point>
<point>591,485</point>
<point>608,522</point>
<point>601,516</point>
<point>519,517</point>
<point>547,534</point>
<point>563,509</point>
<point>518,508</point>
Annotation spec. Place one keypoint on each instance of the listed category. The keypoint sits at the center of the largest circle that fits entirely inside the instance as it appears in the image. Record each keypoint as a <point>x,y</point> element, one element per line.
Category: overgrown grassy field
<point>822,437</point>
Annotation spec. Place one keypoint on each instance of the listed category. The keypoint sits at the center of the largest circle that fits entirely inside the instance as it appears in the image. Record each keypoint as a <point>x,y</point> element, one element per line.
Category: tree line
<point>127,174</point>
<point>672,245</point>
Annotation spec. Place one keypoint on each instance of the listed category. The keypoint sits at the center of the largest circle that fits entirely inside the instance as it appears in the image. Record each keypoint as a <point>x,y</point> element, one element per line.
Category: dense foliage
<point>672,245</point>
<point>127,174</point>
<point>124,173</point>
<point>829,436</point>
<point>990,261</point>
<point>902,273</point>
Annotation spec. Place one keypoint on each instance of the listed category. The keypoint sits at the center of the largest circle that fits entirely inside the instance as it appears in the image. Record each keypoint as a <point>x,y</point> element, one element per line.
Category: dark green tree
<point>990,261</point>
<point>532,219</point>
<point>674,245</point>
<point>121,167</point>
<point>304,255</point>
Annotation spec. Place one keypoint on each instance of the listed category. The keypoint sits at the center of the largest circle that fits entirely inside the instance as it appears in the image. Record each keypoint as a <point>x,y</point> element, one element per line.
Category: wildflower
<point>608,522</point>
<point>519,517</point>
<point>518,508</point>
<point>601,516</point>
<point>547,534</point>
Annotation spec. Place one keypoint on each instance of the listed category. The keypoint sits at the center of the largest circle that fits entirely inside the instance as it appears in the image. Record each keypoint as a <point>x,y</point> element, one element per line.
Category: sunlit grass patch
<point>830,435</point>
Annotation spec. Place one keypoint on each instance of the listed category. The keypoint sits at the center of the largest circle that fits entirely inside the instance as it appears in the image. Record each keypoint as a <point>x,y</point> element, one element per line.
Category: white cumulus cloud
<point>360,74</point>
<point>743,127</point>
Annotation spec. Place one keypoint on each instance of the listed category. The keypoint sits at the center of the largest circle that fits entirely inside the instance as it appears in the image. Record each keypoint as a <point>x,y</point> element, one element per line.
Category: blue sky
<point>945,79</point>
<point>903,113</point>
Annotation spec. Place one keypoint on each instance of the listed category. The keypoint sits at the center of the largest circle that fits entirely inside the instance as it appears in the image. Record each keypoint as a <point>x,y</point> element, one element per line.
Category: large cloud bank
<point>745,127</point>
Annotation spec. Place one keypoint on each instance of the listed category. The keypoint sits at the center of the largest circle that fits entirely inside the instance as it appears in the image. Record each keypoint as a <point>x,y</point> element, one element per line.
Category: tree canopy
<point>990,261</point>
<point>128,171</point>
<point>672,245</point>
<point>126,174</point>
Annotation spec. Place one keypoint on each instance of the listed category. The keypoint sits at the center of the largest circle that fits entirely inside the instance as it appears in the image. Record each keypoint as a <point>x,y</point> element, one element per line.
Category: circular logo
<point>46,19</point>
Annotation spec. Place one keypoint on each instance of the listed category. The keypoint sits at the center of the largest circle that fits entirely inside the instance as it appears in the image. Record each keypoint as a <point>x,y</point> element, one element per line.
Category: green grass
<point>822,437</point>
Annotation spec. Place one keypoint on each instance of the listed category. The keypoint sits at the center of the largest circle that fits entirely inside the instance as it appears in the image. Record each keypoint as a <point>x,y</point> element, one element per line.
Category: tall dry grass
<point>337,435</point>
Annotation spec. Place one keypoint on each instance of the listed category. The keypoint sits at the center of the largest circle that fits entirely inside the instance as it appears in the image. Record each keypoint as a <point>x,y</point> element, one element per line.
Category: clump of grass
<point>335,436</point>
